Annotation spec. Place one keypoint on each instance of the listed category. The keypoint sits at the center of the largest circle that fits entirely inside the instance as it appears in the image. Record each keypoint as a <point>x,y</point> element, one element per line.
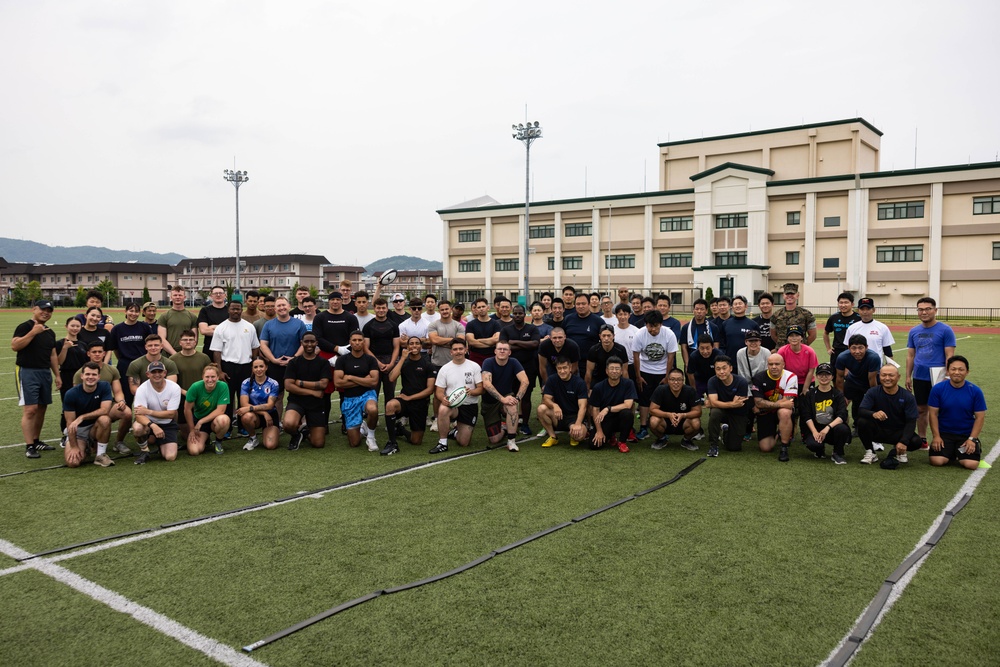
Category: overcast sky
<point>356,122</point>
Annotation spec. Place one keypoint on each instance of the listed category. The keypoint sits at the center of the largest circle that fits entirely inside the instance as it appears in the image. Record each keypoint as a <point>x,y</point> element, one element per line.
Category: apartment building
<point>333,274</point>
<point>59,282</point>
<point>416,283</point>
<point>279,273</point>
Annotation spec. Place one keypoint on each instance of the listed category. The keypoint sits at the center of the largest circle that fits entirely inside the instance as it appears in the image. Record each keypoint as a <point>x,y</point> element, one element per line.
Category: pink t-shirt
<point>799,363</point>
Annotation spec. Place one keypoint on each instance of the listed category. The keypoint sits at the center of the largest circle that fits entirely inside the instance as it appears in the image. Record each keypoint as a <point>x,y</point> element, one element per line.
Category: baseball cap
<point>753,334</point>
<point>44,304</point>
<point>824,368</point>
<point>866,303</point>
<point>155,366</point>
<point>790,288</point>
<point>795,329</point>
<point>147,305</point>
<point>398,296</point>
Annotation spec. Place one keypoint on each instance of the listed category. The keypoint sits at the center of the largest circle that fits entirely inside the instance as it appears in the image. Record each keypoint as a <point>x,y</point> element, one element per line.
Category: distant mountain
<point>15,250</point>
<point>403,263</point>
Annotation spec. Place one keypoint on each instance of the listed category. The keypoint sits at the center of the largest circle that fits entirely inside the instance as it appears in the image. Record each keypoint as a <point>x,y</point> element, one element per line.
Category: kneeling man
<point>564,404</point>
<point>87,408</point>
<point>957,412</point>
<point>676,410</point>
<point>774,393</point>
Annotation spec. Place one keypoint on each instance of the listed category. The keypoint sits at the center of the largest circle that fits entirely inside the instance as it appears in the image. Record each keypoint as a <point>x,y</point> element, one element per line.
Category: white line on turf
<point>212,648</point>
<point>975,477</point>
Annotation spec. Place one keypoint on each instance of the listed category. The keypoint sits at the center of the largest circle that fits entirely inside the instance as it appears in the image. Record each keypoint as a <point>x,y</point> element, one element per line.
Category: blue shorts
<point>34,386</point>
<point>352,408</point>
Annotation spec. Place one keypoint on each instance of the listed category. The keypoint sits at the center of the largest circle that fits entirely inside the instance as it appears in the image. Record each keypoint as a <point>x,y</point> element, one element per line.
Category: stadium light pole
<point>526,134</point>
<point>237,178</point>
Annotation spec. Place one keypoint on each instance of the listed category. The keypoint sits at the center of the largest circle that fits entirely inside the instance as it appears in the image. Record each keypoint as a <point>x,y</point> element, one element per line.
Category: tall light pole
<point>526,134</point>
<point>237,178</point>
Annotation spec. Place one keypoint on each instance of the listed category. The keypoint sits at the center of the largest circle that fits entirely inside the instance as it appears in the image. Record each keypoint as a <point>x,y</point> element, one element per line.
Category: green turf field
<point>743,561</point>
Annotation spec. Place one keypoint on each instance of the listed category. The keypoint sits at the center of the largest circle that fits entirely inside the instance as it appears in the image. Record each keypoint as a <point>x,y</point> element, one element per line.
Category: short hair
<point>95,294</point>
<point>653,317</point>
<point>91,365</point>
<point>714,301</point>
<point>558,299</point>
<point>849,296</point>
<point>305,299</point>
<point>662,297</point>
<point>444,302</point>
<point>705,338</point>
<point>97,308</point>
<point>579,296</point>
<point>930,300</point>
<point>345,283</point>
<point>187,333</point>
<point>857,339</point>
<point>301,288</point>
<point>634,295</point>
<point>724,359</point>
<point>502,299</point>
<point>562,359</point>
<point>282,298</point>
<point>497,297</point>
<point>699,302</point>
<point>253,293</point>
<point>356,332</point>
<point>537,303</point>
<point>177,288</point>
<point>95,343</point>
<point>270,298</point>
<point>215,287</point>
<point>675,370</point>
<point>726,300</point>
<point>613,360</point>
<point>622,308</point>
<point>361,293</point>
<point>556,328</point>
<point>481,300</point>
<point>765,295</point>
<point>597,294</point>
<point>456,341</point>
<point>153,337</point>
<point>381,302</point>
<point>740,297</point>
<point>543,295</point>
<point>569,288</point>
<point>430,296</point>
<point>957,357</point>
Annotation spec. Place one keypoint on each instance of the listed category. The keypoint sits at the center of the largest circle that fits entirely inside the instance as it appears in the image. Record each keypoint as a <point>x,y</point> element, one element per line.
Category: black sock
<point>390,426</point>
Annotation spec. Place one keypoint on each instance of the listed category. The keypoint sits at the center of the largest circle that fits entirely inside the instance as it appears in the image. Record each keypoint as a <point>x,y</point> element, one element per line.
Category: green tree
<point>146,298</point>
<point>109,293</point>
<point>34,292</point>
<point>313,291</point>
<point>291,298</point>
<point>80,300</point>
<point>709,294</point>
<point>264,291</point>
<point>19,295</point>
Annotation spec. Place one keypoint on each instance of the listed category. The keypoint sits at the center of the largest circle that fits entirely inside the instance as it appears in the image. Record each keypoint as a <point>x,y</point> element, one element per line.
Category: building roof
<point>578,200</point>
<point>344,268</point>
<point>429,273</point>
<point>261,259</point>
<point>807,126</point>
<point>97,267</point>
<point>478,202</point>
<point>732,165</point>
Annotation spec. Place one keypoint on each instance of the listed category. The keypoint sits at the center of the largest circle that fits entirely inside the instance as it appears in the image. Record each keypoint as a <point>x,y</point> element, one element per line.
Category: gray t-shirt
<point>442,355</point>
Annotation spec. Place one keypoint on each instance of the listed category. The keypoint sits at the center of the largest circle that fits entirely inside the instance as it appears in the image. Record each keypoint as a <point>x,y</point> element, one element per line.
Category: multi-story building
<point>60,282</point>
<point>744,213</point>
<point>279,273</point>
<point>417,283</point>
<point>333,274</point>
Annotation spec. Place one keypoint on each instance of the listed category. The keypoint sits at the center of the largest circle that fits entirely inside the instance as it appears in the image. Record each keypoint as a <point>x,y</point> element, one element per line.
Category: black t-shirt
<point>569,350</point>
<point>398,318</point>
<point>480,329</point>
<point>822,407</point>
<point>504,377</point>
<point>75,358</point>
<point>764,324</point>
<point>684,402</point>
<point>86,338</point>
<point>605,396</point>
<point>837,325</point>
<point>212,316</point>
<point>38,353</point>
<point>308,370</point>
<point>600,357</point>
<point>416,373</point>
<point>703,368</point>
<point>566,394</point>
<point>357,367</point>
<point>380,336</point>
<point>738,387</point>
<point>529,332</point>
<point>334,330</point>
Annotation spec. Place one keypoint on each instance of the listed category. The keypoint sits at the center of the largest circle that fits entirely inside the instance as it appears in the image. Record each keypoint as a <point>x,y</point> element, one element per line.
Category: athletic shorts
<point>206,427</point>
<point>950,450</point>
<point>921,391</point>
<point>492,413</point>
<point>670,429</point>
<point>314,418</point>
<point>169,434</point>
<point>83,432</point>
<point>261,422</point>
<point>34,386</point>
<point>767,425</point>
<point>277,373</point>
<point>468,414</point>
<point>651,382</point>
<point>352,408</point>
<point>415,412</point>
<point>564,423</point>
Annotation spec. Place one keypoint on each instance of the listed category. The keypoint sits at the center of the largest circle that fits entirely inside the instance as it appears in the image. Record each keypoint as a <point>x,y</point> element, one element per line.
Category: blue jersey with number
<point>259,394</point>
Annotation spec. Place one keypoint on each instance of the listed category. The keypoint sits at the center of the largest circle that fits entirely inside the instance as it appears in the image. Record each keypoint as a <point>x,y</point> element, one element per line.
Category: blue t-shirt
<point>259,394</point>
<point>504,377</point>
<point>857,371</point>
<point>733,331</point>
<point>738,387</point>
<point>283,338</point>
<point>928,344</point>
<point>566,394</point>
<point>605,396</point>
<point>674,325</point>
<point>584,331</point>
<point>957,407</point>
<point>80,402</point>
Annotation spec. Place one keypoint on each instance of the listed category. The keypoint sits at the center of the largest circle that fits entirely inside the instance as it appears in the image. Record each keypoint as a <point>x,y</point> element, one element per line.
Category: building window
<point>900,253</point>
<point>673,259</point>
<point>469,265</point>
<point>831,262</point>
<point>900,210</point>
<point>579,229</point>
<point>505,264</point>
<point>793,218</point>
<point>468,296</point>
<point>996,250</point>
<point>677,224</point>
<point>832,221</point>
<point>730,258</point>
<point>469,235</point>
<point>619,261</point>
<point>284,267</point>
<point>792,258</point>
<point>985,205</point>
<point>541,231</point>
<point>552,263</point>
<point>572,263</point>
<point>730,220</point>
<point>270,267</point>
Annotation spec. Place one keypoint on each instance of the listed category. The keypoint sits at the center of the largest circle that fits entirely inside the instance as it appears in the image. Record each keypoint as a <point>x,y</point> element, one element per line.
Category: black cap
<point>753,334</point>
<point>44,304</point>
<point>794,329</point>
<point>824,368</point>
<point>866,303</point>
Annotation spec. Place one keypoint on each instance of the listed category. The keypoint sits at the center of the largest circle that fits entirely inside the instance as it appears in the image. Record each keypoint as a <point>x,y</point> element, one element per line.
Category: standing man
<point>301,293</point>
<point>345,296</point>
<point>888,414</point>
<point>361,303</point>
<point>928,346</point>
<point>482,332</point>
<point>382,342</point>
<point>524,340</point>
<point>611,404</point>
<point>250,312</point>
<point>501,399</point>
<point>356,376</point>
<point>557,313</point>
<point>305,379</point>
<point>398,314</point>
<point>792,314</point>
<point>333,327</point>
<point>765,305</point>
<point>550,350</point>
<point>37,365</point>
<point>879,337</point>
<point>699,326</point>
<point>430,305</point>
<point>723,304</point>
<point>608,311</point>
<point>663,305</point>
<point>774,394</point>
<point>95,299</point>
<point>87,407</point>
<point>149,316</point>
<point>441,333</point>
<point>176,320</point>
<point>583,328</point>
<point>267,312</point>
<point>675,409</point>
<point>597,357</point>
<point>957,414</point>
<point>623,295</point>
<point>459,372</point>
<point>281,341</point>
<point>234,347</point>
<point>564,404</point>
<point>837,325</point>
<point>128,341</point>
<point>211,316</point>
<point>735,329</point>
<point>415,326</point>
<point>307,306</point>
<point>727,400</point>
<point>653,351</point>
<point>418,375</point>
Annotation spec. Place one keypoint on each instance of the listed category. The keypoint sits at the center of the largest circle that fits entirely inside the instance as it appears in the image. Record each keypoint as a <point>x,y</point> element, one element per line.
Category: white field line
<point>900,349</point>
<point>212,648</point>
<point>975,477</point>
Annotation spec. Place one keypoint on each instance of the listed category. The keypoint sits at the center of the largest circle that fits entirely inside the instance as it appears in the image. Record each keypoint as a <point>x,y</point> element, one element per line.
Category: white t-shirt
<point>653,350</point>
<point>613,321</point>
<point>468,374</point>
<point>878,336</point>
<point>236,341</point>
<point>624,337</point>
<point>409,328</point>
<point>364,319</point>
<point>168,399</point>
<point>430,318</point>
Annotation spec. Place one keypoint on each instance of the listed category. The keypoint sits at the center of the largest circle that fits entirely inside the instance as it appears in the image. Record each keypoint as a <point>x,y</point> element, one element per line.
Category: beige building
<point>414,283</point>
<point>333,274</point>
<point>279,273</point>
<point>745,213</point>
<point>60,282</point>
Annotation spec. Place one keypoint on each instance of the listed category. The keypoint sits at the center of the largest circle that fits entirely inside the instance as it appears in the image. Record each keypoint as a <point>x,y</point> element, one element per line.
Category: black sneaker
<point>713,451</point>
<point>402,433</point>
<point>389,449</point>
<point>42,447</point>
<point>142,458</point>
<point>32,452</point>
<point>453,434</point>
<point>294,441</point>
<point>783,454</point>
<point>63,441</point>
<point>440,448</point>
<point>689,445</point>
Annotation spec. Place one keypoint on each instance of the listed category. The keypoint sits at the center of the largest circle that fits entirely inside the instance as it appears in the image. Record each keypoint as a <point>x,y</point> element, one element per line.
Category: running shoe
<point>370,439</point>
<point>525,430</point>
<point>631,437</point>
<point>142,458</point>
<point>251,443</point>
<point>783,454</point>
<point>870,457</point>
<point>838,459</point>
<point>689,445</point>
<point>713,451</point>
<point>434,425</point>
<point>902,458</point>
<point>440,448</point>
<point>389,449</point>
<point>551,441</point>
<point>642,434</point>
<point>103,460</point>
<point>512,446</point>
<point>42,447</point>
<point>63,440</point>
<point>218,446</point>
<point>623,448</point>
<point>122,448</point>
<point>660,443</point>
<point>31,452</point>
<point>295,441</point>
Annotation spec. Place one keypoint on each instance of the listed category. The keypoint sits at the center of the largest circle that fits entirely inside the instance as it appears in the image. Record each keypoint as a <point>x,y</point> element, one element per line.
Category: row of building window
<point>792,259</point>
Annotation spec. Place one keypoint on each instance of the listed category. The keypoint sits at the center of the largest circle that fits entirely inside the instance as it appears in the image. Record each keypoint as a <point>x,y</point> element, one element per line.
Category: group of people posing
<point>265,369</point>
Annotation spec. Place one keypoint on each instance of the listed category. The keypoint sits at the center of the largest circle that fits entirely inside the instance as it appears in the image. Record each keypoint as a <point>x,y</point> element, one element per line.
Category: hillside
<point>403,263</point>
<point>16,250</point>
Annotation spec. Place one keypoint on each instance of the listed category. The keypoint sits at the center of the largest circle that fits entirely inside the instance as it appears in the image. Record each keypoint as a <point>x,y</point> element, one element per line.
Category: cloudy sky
<point>356,121</point>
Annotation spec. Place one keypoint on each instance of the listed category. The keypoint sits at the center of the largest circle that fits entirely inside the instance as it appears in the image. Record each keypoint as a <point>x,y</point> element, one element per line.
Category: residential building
<point>334,273</point>
<point>60,282</point>
<point>279,273</point>
<point>416,283</point>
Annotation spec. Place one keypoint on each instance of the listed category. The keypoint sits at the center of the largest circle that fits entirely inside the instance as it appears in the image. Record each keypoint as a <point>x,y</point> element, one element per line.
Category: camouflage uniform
<point>781,319</point>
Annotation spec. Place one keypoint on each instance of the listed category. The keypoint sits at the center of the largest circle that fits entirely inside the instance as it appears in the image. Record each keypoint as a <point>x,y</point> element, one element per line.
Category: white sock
<point>443,441</point>
<point>102,448</point>
<point>511,441</point>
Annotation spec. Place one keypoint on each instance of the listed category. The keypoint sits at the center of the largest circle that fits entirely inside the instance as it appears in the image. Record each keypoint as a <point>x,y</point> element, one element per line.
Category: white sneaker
<point>364,428</point>
<point>434,425</point>
<point>902,458</point>
<point>878,446</point>
<point>251,443</point>
<point>512,446</point>
<point>542,433</point>
<point>870,457</point>
<point>370,439</point>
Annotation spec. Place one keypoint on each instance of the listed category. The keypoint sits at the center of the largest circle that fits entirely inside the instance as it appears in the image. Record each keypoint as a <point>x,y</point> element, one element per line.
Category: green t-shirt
<point>108,374</point>
<point>176,322</point>
<point>205,402</point>
<point>189,368</point>
<point>137,369</point>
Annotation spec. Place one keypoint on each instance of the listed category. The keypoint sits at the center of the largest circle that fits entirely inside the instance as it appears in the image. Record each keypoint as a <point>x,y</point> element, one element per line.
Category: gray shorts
<point>34,386</point>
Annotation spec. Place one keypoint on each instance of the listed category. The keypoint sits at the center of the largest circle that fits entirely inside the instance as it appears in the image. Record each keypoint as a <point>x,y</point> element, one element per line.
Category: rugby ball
<point>387,277</point>
<point>456,397</point>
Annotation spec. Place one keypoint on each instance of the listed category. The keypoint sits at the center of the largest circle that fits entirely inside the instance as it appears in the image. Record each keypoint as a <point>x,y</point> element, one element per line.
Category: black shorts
<point>468,414</point>
<point>415,412</point>
<point>206,427</point>
<point>261,422</point>
<point>651,382</point>
<point>277,373</point>
<point>921,391</point>
<point>169,434</point>
<point>950,451</point>
<point>314,418</point>
<point>670,429</point>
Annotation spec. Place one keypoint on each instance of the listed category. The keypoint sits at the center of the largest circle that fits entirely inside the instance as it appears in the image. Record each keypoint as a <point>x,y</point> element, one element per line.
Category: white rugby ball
<point>456,397</point>
<point>387,277</point>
